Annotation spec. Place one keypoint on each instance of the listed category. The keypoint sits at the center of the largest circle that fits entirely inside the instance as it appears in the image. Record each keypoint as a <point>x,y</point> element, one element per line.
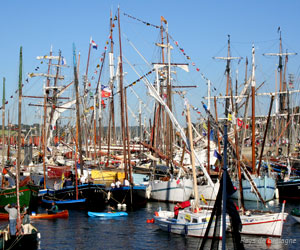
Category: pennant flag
<point>205,126</point>
<point>94,45</point>
<point>240,122</point>
<point>63,61</point>
<point>229,117</point>
<point>217,155</point>
<point>163,19</point>
<point>105,91</point>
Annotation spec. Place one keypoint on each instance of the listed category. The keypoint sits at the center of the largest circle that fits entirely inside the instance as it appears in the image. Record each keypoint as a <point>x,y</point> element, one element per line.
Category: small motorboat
<point>107,214</point>
<point>295,213</point>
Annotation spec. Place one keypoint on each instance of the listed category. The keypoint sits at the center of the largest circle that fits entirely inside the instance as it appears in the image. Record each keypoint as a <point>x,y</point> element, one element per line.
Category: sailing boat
<point>21,240</point>
<point>77,196</point>
<point>8,195</point>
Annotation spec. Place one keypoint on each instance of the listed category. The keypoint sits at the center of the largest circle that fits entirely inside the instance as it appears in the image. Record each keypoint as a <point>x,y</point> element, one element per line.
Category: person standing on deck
<point>13,214</point>
<point>26,222</point>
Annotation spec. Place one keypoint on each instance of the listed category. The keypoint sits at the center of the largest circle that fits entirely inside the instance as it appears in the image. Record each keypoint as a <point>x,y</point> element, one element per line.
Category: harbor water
<point>133,232</point>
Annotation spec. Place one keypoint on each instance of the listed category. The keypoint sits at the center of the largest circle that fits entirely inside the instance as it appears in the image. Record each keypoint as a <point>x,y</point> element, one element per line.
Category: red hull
<point>57,171</point>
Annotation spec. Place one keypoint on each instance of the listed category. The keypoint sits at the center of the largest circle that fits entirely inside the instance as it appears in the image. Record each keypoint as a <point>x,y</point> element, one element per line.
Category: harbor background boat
<point>133,232</point>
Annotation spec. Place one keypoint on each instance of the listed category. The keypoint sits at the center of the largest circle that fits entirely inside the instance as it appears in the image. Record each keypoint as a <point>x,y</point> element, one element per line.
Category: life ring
<point>269,153</point>
<point>279,151</point>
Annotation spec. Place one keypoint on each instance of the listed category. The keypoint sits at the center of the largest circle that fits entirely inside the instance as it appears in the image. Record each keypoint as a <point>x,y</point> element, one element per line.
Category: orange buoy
<point>152,220</point>
<point>148,221</point>
<point>268,241</point>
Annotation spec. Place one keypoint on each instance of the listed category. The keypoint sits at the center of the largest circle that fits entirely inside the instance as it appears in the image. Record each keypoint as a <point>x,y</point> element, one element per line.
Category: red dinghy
<point>62,214</point>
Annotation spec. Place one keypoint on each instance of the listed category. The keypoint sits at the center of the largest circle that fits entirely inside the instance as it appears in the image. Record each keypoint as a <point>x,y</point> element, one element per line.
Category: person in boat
<point>118,184</point>
<point>53,209</point>
<point>56,185</point>
<point>112,185</point>
<point>26,222</point>
<point>126,183</point>
<point>13,214</point>
<point>180,206</point>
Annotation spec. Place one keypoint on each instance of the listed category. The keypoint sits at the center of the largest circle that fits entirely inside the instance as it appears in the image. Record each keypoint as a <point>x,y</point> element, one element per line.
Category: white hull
<point>266,187</point>
<point>209,192</point>
<point>184,225</point>
<point>195,224</point>
<point>172,190</point>
<point>263,224</point>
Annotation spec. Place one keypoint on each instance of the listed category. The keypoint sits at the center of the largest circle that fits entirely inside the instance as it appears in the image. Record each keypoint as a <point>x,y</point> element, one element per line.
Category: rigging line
<point>137,51</point>
<point>137,96</point>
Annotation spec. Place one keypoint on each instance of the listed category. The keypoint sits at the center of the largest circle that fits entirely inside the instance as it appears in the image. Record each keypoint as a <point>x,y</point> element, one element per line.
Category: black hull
<point>130,197</point>
<point>26,241</point>
<point>94,194</point>
<point>289,190</point>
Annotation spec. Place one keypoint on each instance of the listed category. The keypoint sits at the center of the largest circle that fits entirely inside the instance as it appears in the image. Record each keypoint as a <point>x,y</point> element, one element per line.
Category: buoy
<point>268,241</point>
<point>148,221</point>
<point>152,220</point>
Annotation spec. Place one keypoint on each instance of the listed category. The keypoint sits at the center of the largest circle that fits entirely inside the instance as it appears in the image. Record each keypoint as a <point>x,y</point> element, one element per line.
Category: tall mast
<point>228,59</point>
<point>111,122</point>
<point>208,128</point>
<point>19,143</point>
<point>169,141</point>
<point>122,98</point>
<point>3,129</point>
<point>128,137</point>
<point>45,120</point>
<point>253,83</point>
<point>77,110</point>
<point>192,156</point>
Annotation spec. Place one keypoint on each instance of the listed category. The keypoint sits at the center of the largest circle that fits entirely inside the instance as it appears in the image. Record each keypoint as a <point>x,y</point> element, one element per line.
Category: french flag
<point>94,45</point>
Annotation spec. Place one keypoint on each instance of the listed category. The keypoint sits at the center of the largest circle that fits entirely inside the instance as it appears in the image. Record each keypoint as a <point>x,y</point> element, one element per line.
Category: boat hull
<point>94,195</point>
<point>165,221</point>
<point>172,190</point>
<point>266,187</point>
<point>289,190</point>
<point>28,197</point>
<point>131,197</point>
<point>107,215</point>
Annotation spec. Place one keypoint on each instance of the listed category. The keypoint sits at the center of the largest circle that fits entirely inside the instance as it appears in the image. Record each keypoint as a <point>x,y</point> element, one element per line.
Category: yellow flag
<point>205,126</point>
<point>229,117</point>
<point>163,19</point>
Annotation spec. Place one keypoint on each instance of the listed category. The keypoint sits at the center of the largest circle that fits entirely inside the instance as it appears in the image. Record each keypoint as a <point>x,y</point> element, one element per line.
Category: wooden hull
<point>124,195</point>
<point>94,195</point>
<point>58,171</point>
<point>171,190</point>
<point>28,197</point>
<point>289,190</point>
<point>25,241</point>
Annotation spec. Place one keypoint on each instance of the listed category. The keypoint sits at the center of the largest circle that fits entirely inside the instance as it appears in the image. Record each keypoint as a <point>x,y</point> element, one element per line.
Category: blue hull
<point>107,215</point>
<point>64,202</point>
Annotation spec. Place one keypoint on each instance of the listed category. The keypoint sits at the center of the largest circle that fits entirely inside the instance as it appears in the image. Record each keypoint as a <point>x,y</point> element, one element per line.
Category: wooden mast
<point>128,138</point>
<point>208,129</point>
<point>45,120</point>
<point>3,129</point>
<point>196,205</point>
<point>19,144</point>
<point>122,99</point>
<point>253,109</point>
<point>77,111</point>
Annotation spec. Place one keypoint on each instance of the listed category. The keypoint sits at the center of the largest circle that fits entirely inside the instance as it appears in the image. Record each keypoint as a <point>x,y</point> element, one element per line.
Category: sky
<point>199,31</point>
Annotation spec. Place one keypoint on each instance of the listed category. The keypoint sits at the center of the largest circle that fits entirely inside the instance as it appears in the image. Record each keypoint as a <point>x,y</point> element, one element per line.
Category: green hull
<point>28,197</point>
